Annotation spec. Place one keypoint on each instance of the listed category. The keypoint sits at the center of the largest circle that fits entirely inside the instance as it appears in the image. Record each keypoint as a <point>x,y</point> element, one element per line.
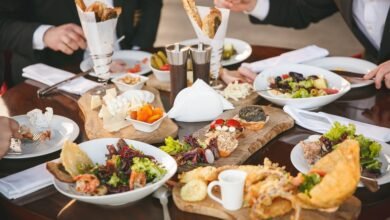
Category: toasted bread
<point>192,11</point>
<point>58,171</point>
<point>81,4</point>
<point>211,22</point>
<point>98,9</point>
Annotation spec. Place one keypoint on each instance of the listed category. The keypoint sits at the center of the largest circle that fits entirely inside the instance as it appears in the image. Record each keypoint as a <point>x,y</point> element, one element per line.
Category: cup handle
<point>210,193</point>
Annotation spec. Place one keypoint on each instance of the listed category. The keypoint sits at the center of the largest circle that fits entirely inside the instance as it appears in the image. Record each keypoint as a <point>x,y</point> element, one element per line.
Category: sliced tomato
<point>285,76</point>
<point>135,69</point>
<point>165,67</point>
<point>233,123</point>
<point>217,122</point>
<point>331,91</point>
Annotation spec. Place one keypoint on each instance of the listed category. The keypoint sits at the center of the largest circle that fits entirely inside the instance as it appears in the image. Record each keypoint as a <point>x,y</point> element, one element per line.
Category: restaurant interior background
<point>337,38</point>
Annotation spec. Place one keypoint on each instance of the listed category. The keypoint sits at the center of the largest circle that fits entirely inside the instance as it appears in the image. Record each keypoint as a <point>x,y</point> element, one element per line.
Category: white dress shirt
<point>369,15</point>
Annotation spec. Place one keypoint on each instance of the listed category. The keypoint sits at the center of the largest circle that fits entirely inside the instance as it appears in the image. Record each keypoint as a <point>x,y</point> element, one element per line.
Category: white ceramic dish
<point>300,163</point>
<point>161,75</point>
<point>96,150</point>
<point>62,129</point>
<point>147,127</point>
<point>244,50</point>
<point>350,64</point>
<point>123,87</point>
<point>335,81</point>
<point>131,57</point>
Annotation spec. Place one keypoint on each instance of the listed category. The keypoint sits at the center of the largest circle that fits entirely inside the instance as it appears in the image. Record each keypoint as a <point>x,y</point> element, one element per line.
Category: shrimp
<point>87,183</point>
<point>137,180</point>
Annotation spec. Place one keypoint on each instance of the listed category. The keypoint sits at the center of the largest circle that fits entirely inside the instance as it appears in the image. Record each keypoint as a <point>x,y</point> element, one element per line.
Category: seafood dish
<point>295,85</point>
<point>125,169</point>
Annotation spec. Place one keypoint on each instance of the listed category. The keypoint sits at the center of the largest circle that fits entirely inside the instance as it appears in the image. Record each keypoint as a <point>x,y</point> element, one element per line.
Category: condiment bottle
<point>201,56</point>
<point>177,57</point>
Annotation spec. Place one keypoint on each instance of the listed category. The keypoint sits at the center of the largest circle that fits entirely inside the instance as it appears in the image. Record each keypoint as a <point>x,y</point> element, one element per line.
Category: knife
<point>44,91</point>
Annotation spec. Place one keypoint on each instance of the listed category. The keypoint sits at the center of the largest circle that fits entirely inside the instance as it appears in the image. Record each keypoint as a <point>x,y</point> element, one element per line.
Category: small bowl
<point>161,75</point>
<point>125,87</point>
<point>144,126</point>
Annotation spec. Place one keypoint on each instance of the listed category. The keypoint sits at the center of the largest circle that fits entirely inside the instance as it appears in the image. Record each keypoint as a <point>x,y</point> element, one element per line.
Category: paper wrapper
<point>217,42</point>
<point>100,39</point>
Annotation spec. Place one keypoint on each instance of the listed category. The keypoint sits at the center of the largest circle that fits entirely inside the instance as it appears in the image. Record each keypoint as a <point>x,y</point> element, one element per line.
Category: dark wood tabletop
<point>363,104</point>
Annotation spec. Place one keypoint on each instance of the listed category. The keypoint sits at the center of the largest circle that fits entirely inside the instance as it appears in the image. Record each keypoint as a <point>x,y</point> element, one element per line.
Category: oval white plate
<point>300,163</point>
<point>96,150</point>
<point>244,50</point>
<point>62,129</point>
<point>335,81</point>
<point>346,64</point>
<point>131,57</point>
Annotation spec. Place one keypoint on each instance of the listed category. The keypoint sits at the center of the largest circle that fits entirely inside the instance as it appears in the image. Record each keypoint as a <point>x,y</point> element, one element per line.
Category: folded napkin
<point>321,122</point>
<point>25,182</point>
<point>49,75</point>
<point>296,56</point>
<point>197,103</point>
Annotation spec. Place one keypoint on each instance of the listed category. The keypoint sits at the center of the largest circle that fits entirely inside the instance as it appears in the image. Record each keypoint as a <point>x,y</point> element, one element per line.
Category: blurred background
<point>331,33</point>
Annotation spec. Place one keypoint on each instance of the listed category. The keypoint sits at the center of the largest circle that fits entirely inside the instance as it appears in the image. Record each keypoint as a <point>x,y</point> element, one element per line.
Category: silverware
<point>44,91</point>
<point>387,157</point>
<point>370,183</point>
<point>16,143</point>
<point>162,194</point>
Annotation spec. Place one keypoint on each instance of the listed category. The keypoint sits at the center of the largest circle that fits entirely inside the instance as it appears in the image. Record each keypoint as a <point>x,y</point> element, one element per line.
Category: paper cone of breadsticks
<point>98,20</point>
<point>216,42</point>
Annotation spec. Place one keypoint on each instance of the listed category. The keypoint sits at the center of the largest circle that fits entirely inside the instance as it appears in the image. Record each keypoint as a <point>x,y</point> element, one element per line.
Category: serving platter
<point>94,125</point>
<point>252,141</point>
<point>350,209</point>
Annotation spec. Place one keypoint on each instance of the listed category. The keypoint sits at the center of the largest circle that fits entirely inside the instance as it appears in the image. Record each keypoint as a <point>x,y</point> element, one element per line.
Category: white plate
<point>346,64</point>
<point>300,163</point>
<point>96,150</point>
<point>62,129</point>
<point>131,57</point>
<point>335,81</point>
<point>244,50</point>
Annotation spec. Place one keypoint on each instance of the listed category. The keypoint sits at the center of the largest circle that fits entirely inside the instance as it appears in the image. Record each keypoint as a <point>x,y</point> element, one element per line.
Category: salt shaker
<point>177,57</point>
<point>201,56</point>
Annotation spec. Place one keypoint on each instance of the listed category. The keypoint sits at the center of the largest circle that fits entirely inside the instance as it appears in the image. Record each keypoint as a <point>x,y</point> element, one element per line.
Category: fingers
<point>65,48</point>
<point>78,39</point>
<point>380,75</point>
<point>387,80</point>
<point>247,73</point>
<point>371,74</point>
<point>77,29</point>
<point>223,4</point>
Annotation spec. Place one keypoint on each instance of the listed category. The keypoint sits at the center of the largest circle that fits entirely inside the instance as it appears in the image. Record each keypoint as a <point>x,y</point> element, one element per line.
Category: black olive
<point>296,76</point>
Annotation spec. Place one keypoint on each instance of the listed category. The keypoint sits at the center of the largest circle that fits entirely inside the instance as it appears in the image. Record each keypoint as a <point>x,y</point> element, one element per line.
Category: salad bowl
<point>96,150</point>
<point>334,82</point>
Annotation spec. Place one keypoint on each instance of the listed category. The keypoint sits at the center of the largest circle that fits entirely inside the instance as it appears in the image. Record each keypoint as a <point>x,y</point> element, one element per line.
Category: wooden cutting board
<point>94,125</point>
<point>349,210</point>
<point>252,141</point>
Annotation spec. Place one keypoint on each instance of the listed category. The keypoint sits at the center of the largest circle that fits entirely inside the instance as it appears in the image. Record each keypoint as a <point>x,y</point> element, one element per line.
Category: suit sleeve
<point>149,21</point>
<point>16,34</point>
<point>297,13</point>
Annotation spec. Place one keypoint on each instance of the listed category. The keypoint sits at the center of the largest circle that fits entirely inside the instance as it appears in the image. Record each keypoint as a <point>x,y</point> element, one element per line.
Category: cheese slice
<point>96,102</point>
<point>112,92</point>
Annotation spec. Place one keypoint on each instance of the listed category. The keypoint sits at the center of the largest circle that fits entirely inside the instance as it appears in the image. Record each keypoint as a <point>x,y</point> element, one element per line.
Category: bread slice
<point>212,22</point>
<point>58,171</point>
<point>192,11</point>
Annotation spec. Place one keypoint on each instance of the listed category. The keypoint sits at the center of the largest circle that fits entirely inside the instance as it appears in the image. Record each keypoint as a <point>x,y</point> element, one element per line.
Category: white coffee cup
<point>232,184</point>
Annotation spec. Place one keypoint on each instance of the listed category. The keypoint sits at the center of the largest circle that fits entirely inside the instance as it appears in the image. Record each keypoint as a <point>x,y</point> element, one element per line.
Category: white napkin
<point>321,122</point>
<point>296,56</point>
<point>197,103</point>
<point>49,75</point>
<point>25,182</point>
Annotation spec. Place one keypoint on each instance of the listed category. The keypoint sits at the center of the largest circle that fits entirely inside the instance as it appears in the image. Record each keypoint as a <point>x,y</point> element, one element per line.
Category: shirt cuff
<point>38,43</point>
<point>136,47</point>
<point>261,9</point>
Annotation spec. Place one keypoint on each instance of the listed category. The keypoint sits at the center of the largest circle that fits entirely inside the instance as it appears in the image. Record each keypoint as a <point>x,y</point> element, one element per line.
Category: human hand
<point>236,5</point>
<point>66,38</point>
<point>381,73</point>
<point>243,74</point>
<point>9,128</point>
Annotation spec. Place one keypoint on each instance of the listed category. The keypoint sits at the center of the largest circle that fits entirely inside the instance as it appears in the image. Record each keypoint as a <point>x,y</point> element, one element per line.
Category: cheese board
<point>350,209</point>
<point>94,127</point>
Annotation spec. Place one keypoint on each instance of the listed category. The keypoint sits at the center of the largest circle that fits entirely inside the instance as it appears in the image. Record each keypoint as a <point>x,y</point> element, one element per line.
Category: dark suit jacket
<point>300,13</point>
<point>20,18</point>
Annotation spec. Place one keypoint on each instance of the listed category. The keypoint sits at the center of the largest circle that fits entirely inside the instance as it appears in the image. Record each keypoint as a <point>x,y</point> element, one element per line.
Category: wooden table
<point>365,104</point>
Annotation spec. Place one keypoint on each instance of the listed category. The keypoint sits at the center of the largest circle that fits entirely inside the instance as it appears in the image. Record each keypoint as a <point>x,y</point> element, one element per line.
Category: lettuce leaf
<point>338,130</point>
<point>153,171</point>
<point>173,147</point>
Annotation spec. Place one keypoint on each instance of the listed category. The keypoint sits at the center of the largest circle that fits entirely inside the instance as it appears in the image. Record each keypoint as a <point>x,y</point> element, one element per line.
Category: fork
<point>16,143</point>
<point>162,194</point>
<point>387,157</point>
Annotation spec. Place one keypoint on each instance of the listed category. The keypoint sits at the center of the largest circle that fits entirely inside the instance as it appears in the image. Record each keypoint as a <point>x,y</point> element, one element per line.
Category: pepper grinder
<point>177,57</point>
<point>201,56</point>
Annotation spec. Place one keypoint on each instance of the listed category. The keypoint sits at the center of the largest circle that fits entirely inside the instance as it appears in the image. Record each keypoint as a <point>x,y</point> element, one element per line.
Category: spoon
<point>162,194</point>
<point>371,183</point>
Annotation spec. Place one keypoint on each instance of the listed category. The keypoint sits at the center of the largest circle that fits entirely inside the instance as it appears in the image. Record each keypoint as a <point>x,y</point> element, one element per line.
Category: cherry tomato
<point>285,76</point>
<point>217,122</point>
<point>331,91</point>
<point>233,123</point>
<point>165,67</point>
<point>135,69</point>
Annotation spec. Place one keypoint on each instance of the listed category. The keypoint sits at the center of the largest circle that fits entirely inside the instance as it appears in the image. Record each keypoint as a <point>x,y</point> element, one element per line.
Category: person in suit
<point>47,31</point>
<point>369,20</point>
<point>9,128</point>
